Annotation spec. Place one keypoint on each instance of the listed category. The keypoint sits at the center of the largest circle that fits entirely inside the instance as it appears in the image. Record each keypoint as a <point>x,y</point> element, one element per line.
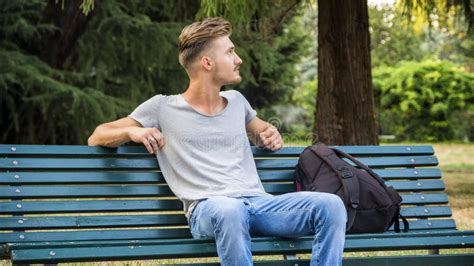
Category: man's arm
<point>123,130</point>
<point>263,134</point>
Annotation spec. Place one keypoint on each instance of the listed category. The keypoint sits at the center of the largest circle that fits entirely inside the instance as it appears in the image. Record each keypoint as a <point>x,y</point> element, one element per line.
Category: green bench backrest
<point>69,193</point>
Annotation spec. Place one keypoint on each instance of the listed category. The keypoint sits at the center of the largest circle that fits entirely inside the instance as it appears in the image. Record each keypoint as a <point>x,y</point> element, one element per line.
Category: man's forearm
<point>109,136</point>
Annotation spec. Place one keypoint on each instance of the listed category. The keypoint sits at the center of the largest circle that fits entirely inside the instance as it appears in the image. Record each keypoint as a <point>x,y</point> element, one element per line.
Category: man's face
<point>226,61</point>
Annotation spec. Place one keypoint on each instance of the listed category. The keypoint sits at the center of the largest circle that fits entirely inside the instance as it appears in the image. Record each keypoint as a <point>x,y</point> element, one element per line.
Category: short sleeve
<point>147,113</point>
<point>250,113</point>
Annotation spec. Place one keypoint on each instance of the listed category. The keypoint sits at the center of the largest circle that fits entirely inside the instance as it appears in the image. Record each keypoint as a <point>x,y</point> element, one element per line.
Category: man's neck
<point>204,96</point>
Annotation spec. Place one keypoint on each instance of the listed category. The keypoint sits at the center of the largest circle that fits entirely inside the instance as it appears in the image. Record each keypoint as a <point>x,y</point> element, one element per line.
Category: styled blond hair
<point>195,37</point>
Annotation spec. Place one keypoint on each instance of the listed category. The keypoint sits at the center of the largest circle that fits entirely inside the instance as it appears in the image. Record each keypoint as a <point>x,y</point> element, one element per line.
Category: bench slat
<point>89,206</point>
<point>85,243</point>
<point>102,243</point>
<point>126,177</point>
<point>151,163</point>
<point>422,185</point>
<point>78,163</point>
<point>29,207</point>
<point>136,234</point>
<point>75,150</point>
<point>410,161</point>
<point>357,150</point>
<point>104,221</point>
<point>424,212</point>
<point>150,191</point>
<point>422,198</point>
<point>12,178</point>
<point>203,248</point>
<point>92,235</point>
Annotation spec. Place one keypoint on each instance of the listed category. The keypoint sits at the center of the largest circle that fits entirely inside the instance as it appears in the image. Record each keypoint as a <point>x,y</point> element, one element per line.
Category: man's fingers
<point>160,139</point>
<point>269,140</point>
<point>147,145</point>
<point>154,143</point>
<point>278,145</point>
<point>275,145</point>
<point>270,130</point>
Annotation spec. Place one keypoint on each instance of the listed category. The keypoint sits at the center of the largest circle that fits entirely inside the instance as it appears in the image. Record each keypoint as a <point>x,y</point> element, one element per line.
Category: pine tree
<point>66,66</point>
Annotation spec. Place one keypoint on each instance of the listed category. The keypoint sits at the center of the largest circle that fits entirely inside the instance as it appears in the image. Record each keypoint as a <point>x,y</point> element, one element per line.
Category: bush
<point>425,101</point>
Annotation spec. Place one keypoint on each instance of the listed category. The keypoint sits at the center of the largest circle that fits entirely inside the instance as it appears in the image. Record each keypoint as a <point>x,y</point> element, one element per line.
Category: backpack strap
<point>397,216</point>
<point>361,165</point>
<point>396,223</point>
<point>349,180</point>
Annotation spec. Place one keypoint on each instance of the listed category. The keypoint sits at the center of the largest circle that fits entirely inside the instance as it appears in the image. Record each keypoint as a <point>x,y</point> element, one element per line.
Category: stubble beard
<point>235,79</point>
<point>238,79</point>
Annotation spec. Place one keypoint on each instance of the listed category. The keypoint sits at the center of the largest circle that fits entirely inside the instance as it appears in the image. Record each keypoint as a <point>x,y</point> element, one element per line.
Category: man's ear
<point>207,63</point>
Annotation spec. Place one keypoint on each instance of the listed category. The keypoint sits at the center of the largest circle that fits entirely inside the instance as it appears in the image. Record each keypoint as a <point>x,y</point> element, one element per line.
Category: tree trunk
<point>345,103</point>
<point>72,23</point>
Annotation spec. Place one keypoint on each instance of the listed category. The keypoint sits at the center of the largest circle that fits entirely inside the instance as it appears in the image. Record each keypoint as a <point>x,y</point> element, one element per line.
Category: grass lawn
<point>457,164</point>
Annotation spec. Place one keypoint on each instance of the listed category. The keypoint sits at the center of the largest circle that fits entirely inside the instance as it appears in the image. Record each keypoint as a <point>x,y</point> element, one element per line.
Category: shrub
<point>425,101</point>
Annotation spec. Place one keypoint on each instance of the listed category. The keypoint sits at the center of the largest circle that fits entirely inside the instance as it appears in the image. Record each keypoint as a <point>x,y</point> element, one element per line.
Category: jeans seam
<point>317,238</point>
<point>216,234</point>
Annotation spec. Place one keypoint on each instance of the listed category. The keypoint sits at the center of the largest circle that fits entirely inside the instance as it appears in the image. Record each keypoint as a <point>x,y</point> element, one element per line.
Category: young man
<point>201,143</point>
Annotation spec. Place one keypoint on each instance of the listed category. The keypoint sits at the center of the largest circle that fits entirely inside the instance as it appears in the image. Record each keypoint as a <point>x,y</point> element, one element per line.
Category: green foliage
<point>411,106</point>
<point>40,104</point>
<point>235,11</point>
<point>128,54</point>
<point>121,53</point>
<point>442,11</point>
<point>426,101</point>
<point>305,98</point>
<point>87,6</point>
<point>394,39</point>
<point>269,69</point>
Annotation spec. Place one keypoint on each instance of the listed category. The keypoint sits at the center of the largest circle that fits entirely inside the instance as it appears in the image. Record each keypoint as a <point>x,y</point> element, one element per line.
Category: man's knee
<point>335,210</point>
<point>330,207</point>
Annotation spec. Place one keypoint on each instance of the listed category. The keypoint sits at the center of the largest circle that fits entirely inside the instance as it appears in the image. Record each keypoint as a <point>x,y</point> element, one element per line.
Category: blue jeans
<point>232,222</point>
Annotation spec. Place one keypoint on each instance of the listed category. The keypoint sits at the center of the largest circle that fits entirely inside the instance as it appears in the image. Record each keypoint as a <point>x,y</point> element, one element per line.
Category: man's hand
<point>264,134</point>
<point>152,138</point>
<point>271,138</point>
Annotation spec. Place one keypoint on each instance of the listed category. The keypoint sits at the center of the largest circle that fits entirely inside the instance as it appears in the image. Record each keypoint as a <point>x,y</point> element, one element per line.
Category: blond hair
<point>195,37</point>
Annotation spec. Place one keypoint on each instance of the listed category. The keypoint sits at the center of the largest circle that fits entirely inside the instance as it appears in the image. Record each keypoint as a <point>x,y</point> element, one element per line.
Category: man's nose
<point>238,60</point>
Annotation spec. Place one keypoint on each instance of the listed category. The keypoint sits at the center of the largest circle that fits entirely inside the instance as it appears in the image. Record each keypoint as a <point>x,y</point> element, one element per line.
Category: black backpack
<point>371,205</point>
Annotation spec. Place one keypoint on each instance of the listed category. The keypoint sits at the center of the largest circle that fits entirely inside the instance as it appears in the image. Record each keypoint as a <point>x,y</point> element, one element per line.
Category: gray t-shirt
<point>204,155</point>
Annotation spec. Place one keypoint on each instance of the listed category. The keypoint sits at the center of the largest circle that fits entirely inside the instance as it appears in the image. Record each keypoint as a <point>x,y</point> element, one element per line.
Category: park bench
<point>80,204</point>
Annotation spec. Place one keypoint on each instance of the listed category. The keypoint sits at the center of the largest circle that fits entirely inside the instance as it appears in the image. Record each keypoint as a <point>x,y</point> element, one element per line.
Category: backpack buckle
<point>345,172</point>
<point>354,203</point>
